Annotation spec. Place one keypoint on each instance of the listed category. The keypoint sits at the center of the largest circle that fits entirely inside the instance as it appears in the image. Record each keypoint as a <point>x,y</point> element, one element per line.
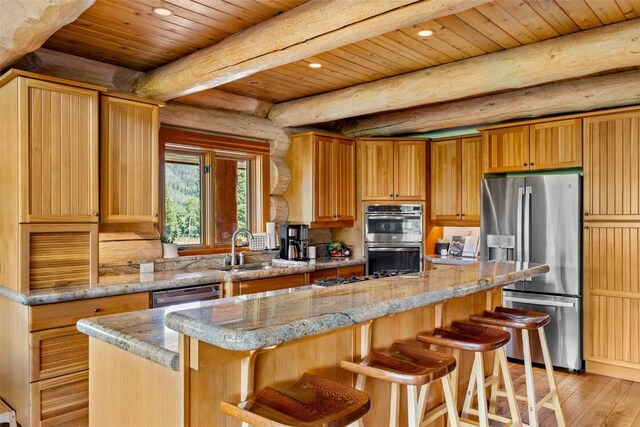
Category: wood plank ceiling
<point>127,33</point>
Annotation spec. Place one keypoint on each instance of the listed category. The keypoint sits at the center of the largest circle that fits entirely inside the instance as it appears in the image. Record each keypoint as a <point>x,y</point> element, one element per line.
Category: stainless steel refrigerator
<point>537,219</point>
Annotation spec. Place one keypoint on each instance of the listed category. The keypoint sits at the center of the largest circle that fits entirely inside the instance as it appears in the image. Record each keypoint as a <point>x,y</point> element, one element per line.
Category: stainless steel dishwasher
<point>185,295</point>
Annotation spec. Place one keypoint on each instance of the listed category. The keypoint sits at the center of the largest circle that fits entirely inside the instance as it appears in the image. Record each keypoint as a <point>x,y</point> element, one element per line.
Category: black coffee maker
<point>294,242</point>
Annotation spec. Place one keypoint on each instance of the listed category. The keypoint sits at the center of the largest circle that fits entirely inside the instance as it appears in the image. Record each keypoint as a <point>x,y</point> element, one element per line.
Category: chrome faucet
<point>233,243</point>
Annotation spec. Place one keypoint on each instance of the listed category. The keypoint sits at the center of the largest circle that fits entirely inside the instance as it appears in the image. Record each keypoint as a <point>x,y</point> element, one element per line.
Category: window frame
<point>225,147</point>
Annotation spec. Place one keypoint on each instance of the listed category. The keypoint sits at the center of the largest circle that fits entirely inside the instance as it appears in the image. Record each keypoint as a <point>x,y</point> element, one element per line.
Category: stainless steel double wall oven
<point>393,237</point>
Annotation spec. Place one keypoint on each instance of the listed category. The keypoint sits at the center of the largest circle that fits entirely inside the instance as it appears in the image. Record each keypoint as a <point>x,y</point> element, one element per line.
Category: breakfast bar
<point>161,367</point>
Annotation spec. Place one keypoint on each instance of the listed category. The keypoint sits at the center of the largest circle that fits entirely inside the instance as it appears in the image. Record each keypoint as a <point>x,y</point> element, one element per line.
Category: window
<point>212,186</point>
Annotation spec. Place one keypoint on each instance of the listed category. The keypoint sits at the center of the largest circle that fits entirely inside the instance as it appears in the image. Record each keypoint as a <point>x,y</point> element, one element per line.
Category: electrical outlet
<point>146,267</point>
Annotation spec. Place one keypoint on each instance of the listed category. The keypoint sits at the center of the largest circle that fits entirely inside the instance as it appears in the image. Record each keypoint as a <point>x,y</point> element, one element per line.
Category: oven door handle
<point>370,216</point>
<point>413,249</point>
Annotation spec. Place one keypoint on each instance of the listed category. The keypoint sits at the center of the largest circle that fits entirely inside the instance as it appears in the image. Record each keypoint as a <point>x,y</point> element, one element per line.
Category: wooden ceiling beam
<point>586,94</point>
<point>302,32</point>
<point>594,51</point>
<point>26,25</point>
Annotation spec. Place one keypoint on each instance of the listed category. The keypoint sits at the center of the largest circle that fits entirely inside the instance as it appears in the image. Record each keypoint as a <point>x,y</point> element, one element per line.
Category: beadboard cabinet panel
<point>556,145</point>
<point>410,170</point>
<point>59,152</point>
<point>344,186</point>
<point>471,149</point>
<point>446,185</point>
<point>377,170</point>
<point>507,149</point>
<point>324,179</point>
<point>612,167</point>
<point>129,158</point>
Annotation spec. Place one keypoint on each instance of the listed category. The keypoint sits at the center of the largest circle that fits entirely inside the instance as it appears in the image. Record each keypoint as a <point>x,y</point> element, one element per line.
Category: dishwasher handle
<point>180,296</point>
<point>539,302</point>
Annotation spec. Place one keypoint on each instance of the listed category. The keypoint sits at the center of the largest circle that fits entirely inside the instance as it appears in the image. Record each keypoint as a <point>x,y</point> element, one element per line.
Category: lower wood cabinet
<point>611,283</point>
<point>270,284</point>
<point>59,357</point>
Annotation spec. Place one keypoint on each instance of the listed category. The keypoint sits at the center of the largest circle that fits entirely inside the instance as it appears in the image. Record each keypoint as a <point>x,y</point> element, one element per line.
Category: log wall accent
<point>214,98</point>
<point>26,25</point>
<point>557,59</point>
<point>590,93</point>
<point>236,124</point>
<point>302,32</point>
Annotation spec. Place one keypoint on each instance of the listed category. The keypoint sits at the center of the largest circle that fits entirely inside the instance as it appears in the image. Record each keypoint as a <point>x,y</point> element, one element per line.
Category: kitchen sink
<point>245,267</point>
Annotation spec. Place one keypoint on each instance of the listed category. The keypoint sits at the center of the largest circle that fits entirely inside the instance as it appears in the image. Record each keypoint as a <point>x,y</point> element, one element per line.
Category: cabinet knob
<point>397,195</point>
<point>96,310</point>
<point>531,164</point>
<point>586,227</point>
<point>156,215</point>
<point>95,214</point>
<point>390,195</point>
<point>524,164</point>
<point>586,214</point>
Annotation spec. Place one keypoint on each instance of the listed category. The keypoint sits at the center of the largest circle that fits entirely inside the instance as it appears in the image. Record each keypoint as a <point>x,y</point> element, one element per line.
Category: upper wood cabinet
<point>456,172</point>
<point>129,159</point>
<point>322,189</point>
<point>58,151</point>
<point>393,169</point>
<point>538,146</point>
<point>612,166</point>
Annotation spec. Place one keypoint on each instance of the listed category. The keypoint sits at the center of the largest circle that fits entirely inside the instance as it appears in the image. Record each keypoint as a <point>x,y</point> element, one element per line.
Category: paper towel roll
<point>271,230</point>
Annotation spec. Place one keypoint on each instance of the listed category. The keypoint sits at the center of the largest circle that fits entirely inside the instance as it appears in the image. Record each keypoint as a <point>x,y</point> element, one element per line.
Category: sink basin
<point>245,267</point>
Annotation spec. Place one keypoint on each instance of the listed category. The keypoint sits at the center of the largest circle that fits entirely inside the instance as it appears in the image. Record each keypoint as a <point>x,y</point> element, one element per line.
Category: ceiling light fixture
<point>162,11</point>
<point>315,65</point>
<point>425,33</point>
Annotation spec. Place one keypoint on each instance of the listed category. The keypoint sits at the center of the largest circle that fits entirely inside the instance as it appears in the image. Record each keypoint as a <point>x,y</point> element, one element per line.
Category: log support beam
<point>589,93</point>
<point>26,25</point>
<point>612,47</point>
<point>307,30</point>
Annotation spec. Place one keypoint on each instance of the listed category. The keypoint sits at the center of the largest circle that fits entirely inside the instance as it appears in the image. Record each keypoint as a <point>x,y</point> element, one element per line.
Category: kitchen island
<point>226,349</point>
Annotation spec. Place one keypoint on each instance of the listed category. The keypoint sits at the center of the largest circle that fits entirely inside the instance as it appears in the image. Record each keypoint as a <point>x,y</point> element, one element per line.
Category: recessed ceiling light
<point>425,33</point>
<point>162,11</point>
<point>315,65</point>
<point>254,82</point>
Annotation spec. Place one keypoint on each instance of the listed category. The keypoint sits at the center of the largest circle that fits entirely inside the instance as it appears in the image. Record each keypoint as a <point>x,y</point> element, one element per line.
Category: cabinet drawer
<point>56,352</point>
<point>68,313</point>
<point>60,400</point>
<point>351,270</point>
<point>322,274</point>
<point>271,284</point>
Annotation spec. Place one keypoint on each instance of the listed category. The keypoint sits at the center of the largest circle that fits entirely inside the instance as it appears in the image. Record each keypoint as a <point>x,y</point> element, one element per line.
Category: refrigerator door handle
<point>519,225</point>
<point>526,246</point>
<point>539,302</point>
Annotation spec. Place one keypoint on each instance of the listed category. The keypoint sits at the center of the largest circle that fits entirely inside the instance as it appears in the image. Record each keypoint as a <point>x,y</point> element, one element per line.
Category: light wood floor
<point>588,400</point>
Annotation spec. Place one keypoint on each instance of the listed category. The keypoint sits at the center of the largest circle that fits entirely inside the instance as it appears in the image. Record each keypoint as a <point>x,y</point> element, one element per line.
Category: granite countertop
<point>144,332</point>
<point>450,260</point>
<point>132,283</point>
<point>263,322</point>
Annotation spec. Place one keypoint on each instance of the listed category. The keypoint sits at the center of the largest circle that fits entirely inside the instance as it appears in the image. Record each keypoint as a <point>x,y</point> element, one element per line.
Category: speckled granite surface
<point>450,260</point>
<point>144,332</point>
<point>257,323</point>
<point>131,283</point>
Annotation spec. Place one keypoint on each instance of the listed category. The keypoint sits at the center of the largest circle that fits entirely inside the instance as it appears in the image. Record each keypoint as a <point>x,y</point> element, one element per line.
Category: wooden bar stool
<point>312,401</point>
<point>479,339</point>
<point>526,321</point>
<point>412,364</point>
<point>7,415</point>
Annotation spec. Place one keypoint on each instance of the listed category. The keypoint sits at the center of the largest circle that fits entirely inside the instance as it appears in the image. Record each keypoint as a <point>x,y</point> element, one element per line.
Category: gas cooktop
<point>333,281</point>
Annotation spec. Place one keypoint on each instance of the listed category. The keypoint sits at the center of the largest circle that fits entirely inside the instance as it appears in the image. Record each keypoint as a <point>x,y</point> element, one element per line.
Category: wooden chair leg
<point>548,366</point>
<point>493,397</point>
<point>394,405</point>
<point>449,400</point>
<point>422,402</point>
<point>528,374</point>
<point>501,357</point>
<point>412,406</point>
<point>471,390</point>
<point>483,413</point>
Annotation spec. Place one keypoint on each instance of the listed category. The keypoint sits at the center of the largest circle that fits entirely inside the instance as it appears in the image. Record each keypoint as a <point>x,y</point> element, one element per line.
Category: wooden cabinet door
<point>410,163</point>
<point>611,284</point>
<point>324,179</point>
<point>59,152</point>
<point>445,180</point>
<point>507,149</point>
<point>60,400</point>
<point>54,255</point>
<point>377,170</point>
<point>612,167</point>
<point>345,180</point>
<point>271,284</point>
<point>129,161</point>
<point>556,145</point>
<point>58,351</point>
<point>471,149</point>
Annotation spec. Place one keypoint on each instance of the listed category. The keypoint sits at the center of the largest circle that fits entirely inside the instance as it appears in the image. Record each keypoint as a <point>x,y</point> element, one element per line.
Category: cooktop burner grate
<point>333,281</point>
